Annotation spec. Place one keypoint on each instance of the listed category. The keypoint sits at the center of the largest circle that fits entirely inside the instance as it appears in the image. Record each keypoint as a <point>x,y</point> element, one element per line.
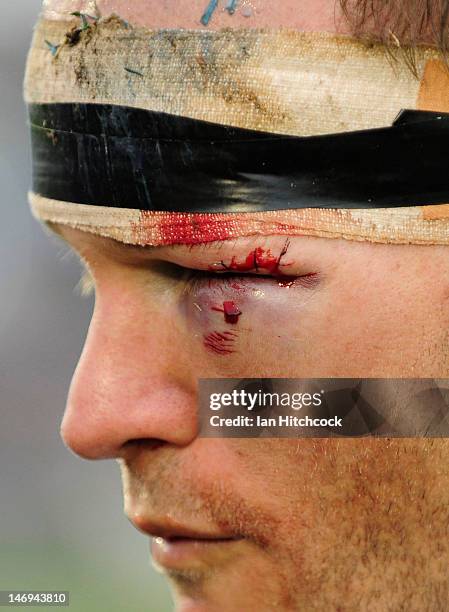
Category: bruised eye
<point>257,267</point>
<point>229,311</point>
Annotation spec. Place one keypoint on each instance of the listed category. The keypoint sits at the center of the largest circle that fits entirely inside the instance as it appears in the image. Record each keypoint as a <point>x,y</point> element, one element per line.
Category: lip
<point>171,530</point>
<point>176,546</point>
<point>190,553</point>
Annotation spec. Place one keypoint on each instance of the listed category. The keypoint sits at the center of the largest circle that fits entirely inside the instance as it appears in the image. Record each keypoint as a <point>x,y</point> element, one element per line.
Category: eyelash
<point>231,280</point>
<point>198,279</point>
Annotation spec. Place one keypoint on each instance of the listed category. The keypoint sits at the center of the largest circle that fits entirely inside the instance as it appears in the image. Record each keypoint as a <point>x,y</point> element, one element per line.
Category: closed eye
<point>200,279</point>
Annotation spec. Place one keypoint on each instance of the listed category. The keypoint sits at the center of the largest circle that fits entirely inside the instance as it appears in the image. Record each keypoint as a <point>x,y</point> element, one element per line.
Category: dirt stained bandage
<point>298,91</point>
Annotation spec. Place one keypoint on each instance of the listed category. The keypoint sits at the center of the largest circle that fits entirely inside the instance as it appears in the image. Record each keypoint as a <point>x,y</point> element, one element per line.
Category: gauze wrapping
<point>281,81</point>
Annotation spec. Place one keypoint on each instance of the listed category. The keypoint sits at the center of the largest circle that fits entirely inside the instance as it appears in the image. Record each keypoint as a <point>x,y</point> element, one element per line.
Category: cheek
<point>383,324</point>
<point>236,327</point>
<point>224,315</point>
<point>250,321</point>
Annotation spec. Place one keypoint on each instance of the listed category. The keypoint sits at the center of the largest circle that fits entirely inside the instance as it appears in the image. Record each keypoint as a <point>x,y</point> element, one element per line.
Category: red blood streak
<point>220,343</point>
<point>225,336</point>
<point>258,259</point>
<point>254,260</point>
<point>231,312</point>
<point>181,228</point>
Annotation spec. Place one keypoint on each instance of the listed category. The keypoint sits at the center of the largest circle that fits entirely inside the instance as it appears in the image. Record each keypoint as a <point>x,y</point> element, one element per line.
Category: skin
<point>342,525</point>
<point>314,15</point>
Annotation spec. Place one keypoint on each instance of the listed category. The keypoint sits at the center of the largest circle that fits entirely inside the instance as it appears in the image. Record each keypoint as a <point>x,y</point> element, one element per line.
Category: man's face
<point>264,524</point>
<point>304,303</point>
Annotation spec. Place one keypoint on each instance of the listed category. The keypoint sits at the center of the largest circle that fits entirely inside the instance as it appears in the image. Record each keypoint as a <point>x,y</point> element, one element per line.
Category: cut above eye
<point>271,256</point>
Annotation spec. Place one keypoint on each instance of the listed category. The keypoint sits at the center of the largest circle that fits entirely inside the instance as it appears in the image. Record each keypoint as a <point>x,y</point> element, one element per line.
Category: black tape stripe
<point>118,156</point>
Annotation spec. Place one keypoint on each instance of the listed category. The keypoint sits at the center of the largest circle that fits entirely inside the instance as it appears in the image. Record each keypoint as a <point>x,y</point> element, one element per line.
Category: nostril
<point>148,444</point>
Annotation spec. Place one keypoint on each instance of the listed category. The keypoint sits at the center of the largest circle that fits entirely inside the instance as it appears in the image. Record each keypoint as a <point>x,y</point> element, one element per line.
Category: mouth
<point>187,553</point>
<point>176,546</point>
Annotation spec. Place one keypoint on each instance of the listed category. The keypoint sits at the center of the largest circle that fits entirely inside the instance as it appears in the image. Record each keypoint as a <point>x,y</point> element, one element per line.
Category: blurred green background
<point>61,520</point>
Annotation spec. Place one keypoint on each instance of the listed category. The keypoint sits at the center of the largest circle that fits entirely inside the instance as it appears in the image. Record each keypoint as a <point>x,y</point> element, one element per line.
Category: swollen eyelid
<point>274,257</point>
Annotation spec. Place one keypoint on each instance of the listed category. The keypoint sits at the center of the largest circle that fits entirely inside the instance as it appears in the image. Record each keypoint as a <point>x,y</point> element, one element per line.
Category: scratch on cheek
<point>221,343</point>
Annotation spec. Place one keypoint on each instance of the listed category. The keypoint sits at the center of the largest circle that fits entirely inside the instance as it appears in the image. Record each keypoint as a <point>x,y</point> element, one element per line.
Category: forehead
<point>309,15</point>
<point>281,81</point>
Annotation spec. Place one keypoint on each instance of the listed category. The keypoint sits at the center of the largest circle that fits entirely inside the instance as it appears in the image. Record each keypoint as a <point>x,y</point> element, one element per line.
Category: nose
<point>131,383</point>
